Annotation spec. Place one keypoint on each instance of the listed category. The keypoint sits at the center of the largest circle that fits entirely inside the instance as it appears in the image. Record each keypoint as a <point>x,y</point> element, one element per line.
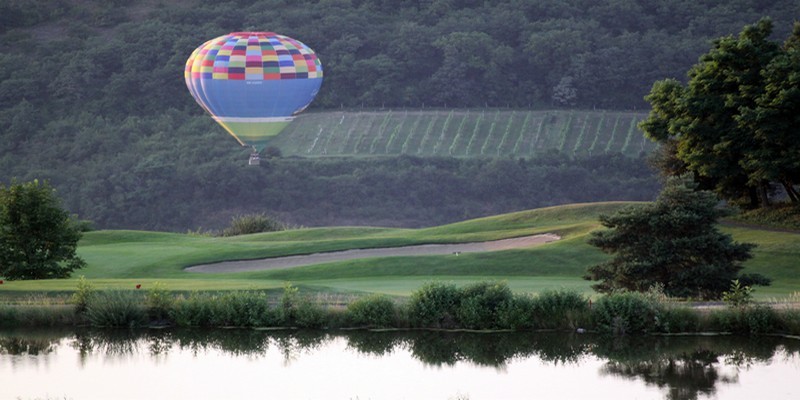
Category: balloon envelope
<point>253,83</point>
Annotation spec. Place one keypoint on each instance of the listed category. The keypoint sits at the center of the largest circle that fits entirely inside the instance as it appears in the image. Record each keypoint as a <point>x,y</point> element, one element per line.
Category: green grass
<point>123,259</point>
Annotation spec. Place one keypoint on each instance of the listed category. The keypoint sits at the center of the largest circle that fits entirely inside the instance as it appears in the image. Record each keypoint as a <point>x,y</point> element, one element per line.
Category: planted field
<point>122,259</point>
<point>463,133</point>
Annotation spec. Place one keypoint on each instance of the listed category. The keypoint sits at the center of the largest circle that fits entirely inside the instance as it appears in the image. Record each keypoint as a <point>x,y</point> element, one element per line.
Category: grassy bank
<point>488,305</point>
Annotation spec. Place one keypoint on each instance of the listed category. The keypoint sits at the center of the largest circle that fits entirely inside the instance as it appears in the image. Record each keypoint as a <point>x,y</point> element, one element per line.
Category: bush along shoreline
<point>481,306</point>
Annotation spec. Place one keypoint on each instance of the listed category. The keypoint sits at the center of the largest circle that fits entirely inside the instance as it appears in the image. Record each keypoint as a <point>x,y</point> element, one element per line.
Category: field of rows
<point>463,133</point>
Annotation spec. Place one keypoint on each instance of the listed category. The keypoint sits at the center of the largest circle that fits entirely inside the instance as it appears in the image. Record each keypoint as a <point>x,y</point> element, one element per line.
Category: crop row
<point>463,133</point>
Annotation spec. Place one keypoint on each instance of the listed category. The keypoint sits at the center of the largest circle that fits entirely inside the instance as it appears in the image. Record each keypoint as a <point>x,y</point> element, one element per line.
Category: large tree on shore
<point>38,238</point>
<point>734,125</point>
<point>672,242</point>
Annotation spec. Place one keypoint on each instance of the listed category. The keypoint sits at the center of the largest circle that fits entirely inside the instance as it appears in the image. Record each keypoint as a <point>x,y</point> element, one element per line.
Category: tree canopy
<point>38,238</point>
<point>672,242</point>
<point>734,126</point>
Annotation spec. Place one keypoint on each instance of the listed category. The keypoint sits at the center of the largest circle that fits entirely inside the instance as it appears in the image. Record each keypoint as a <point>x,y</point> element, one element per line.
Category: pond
<point>243,364</point>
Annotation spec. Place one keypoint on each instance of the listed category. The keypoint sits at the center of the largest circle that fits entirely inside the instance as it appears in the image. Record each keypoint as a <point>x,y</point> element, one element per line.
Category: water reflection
<point>688,367</point>
<point>681,367</point>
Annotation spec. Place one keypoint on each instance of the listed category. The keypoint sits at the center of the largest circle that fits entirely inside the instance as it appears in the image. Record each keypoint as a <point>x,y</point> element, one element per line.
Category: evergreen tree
<point>672,242</point>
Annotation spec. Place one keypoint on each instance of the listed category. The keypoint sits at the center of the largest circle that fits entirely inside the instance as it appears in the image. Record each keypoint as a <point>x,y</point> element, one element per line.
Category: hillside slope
<point>464,133</point>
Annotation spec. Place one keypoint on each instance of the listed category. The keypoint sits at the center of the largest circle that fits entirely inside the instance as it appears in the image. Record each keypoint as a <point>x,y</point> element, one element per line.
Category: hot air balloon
<point>253,83</point>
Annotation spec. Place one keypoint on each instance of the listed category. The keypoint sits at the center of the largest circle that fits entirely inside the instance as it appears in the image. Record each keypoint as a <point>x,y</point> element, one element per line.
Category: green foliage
<point>677,319</point>
<point>192,311</point>
<point>308,314</point>
<point>733,125</point>
<point>252,223</point>
<point>738,295</point>
<point>480,304</point>
<point>159,301</point>
<point>38,238</point>
<point>755,320</point>
<point>374,311</point>
<point>288,302</point>
<point>116,309</point>
<point>83,294</point>
<point>560,309</point>
<point>243,309</point>
<point>626,313</point>
<point>16,316</point>
<point>673,242</point>
<point>435,305</point>
<point>786,216</point>
<point>517,314</point>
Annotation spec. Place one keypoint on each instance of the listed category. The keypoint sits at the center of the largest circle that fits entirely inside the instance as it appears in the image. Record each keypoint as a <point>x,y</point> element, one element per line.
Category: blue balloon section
<point>255,98</point>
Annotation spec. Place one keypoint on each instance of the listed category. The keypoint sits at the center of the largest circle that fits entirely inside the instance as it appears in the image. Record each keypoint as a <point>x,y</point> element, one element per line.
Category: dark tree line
<point>161,192</point>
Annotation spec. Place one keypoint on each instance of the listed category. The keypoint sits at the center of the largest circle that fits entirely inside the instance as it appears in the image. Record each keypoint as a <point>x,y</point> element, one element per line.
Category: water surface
<point>243,364</point>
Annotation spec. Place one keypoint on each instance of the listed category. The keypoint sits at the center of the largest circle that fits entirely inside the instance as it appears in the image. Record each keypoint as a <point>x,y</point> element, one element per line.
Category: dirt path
<point>418,250</point>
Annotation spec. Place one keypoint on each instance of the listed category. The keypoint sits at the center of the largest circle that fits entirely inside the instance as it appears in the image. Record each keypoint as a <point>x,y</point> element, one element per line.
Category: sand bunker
<point>418,250</point>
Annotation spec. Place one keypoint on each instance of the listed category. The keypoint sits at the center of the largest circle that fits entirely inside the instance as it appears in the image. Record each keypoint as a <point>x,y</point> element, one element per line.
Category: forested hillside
<point>92,98</point>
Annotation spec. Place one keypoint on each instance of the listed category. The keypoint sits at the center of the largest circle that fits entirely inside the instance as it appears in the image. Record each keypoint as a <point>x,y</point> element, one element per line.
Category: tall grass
<point>14,316</point>
<point>253,223</point>
<point>117,309</point>
<point>436,305</point>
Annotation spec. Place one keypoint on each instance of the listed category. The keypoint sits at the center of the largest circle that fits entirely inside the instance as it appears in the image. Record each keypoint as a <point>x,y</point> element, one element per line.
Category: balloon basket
<point>255,159</point>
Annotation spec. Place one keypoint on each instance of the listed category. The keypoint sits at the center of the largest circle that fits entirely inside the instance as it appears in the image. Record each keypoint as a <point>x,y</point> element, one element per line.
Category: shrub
<point>678,319</point>
<point>253,223</point>
<point>738,295</point>
<point>241,309</point>
<point>746,320</point>
<point>8,316</point>
<point>559,309</point>
<point>309,314</point>
<point>376,311</point>
<point>480,302</point>
<point>434,305</point>
<point>288,304</point>
<point>36,316</point>
<point>194,311</point>
<point>626,313</point>
<point>517,314</point>
<point>159,302</point>
<point>789,321</point>
<point>82,295</point>
<point>116,309</point>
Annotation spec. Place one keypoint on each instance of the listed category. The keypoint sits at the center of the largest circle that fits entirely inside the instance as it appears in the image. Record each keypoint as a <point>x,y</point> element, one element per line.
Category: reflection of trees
<point>448,348</point>
<point>686,367</point>
<point>374,343</point>
<point>17,346</point>
<point>684,376</point>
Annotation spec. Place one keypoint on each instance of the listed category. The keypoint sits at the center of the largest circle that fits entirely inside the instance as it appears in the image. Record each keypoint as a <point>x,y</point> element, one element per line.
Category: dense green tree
<point>733,125</point>
<point>774,120</point>
<point>672,242</point>
<point>37,237</point>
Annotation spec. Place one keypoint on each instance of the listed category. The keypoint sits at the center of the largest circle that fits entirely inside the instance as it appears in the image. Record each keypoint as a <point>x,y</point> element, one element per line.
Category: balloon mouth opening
<point>258,34</point>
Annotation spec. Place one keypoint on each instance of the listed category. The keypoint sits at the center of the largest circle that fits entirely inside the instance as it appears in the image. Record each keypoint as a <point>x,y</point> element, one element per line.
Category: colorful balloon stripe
<point>253,56</point>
